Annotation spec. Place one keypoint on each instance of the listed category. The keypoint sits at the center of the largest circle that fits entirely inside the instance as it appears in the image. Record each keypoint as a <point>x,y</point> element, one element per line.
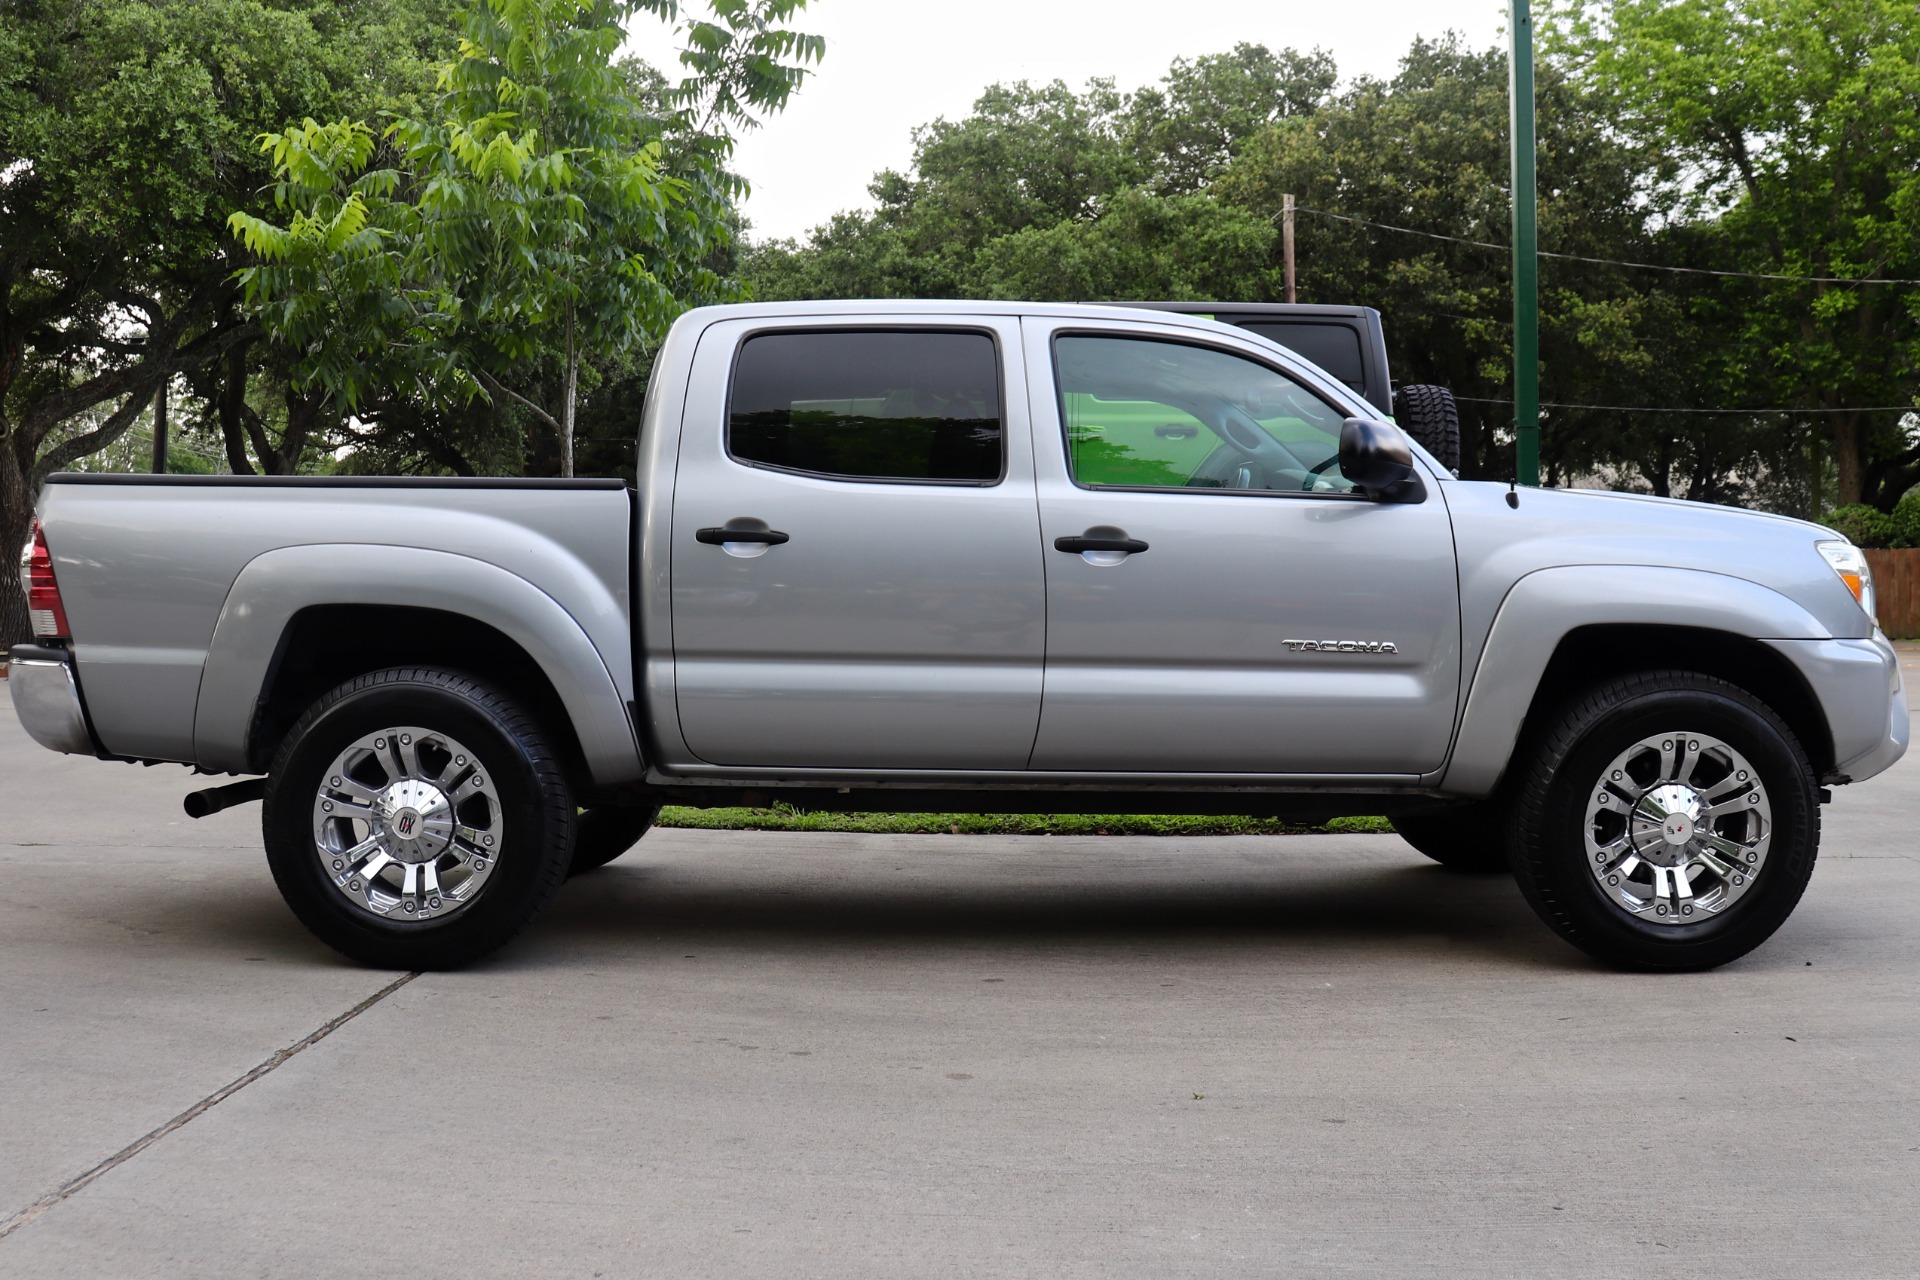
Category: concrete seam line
<point>205,1104</point>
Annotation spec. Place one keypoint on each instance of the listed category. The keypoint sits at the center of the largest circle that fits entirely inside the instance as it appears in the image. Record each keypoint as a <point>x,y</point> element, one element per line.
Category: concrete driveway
<point>753,1054</point>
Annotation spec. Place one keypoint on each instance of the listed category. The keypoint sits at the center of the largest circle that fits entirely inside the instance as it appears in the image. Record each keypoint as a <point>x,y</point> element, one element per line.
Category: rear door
<point>1219,598</point>
<point>856,574</point>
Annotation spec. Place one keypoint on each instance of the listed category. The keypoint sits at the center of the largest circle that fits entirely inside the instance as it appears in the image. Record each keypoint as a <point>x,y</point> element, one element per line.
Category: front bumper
<point>47,699</point>
<point>1857,683</point>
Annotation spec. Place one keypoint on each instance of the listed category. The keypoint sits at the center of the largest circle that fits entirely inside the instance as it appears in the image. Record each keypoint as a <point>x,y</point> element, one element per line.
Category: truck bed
<point>147,565</point>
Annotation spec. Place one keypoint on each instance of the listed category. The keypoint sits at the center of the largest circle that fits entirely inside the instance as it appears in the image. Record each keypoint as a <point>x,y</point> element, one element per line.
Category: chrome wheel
<point>406,824</point>
<point>1678,828</point>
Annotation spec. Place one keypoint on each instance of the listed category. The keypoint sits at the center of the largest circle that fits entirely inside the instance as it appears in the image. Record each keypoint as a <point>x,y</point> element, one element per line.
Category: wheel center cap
<point>1681,805</point>
<point>416,821</point>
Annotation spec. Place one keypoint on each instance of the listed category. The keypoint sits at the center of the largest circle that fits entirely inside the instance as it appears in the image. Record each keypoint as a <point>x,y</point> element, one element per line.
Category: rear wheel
<point>1665,821</point>
<point>1472,837</point>
<point>417,819</point>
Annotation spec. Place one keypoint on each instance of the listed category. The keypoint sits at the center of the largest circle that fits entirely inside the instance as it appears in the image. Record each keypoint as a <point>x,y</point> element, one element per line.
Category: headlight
<point>1851,564</point>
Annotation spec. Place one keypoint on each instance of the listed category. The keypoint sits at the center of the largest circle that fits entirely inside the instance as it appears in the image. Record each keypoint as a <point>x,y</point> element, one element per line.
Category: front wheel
<point>1665,821</point>
<point>417,819</point>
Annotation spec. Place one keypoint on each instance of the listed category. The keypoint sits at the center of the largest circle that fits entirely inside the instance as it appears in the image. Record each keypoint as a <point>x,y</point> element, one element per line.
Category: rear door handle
<point>1100,540</point>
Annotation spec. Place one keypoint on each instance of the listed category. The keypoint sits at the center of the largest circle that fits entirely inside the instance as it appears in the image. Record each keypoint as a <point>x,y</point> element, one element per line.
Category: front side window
<point>918,405</point>
<point>1144,413</point>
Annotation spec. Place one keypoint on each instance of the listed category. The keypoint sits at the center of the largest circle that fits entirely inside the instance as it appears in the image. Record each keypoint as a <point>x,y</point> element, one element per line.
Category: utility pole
<point>1526,247</point>
<point>1286,240</point>
<point>160,429</point>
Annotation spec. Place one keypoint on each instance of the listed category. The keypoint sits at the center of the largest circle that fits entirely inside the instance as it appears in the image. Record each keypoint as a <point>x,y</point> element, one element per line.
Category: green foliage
<point>530,222</point>
<point>1862,525</point>
<point>787,818</point>
<point>1788,133</point>
<point>126,137</point>
<point>1906,521</point>
<point>1647,112</point>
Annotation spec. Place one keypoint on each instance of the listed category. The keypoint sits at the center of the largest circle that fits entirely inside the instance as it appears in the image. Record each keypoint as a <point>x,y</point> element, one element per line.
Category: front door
<point>1219,598</point>
<point>857,581</point>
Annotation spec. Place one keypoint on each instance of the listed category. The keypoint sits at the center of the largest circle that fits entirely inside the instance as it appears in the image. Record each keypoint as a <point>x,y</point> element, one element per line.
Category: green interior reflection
<point>1152,414</point>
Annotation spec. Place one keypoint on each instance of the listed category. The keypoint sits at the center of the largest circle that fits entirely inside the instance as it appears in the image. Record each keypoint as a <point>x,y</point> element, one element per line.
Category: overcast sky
<point>892,64</point>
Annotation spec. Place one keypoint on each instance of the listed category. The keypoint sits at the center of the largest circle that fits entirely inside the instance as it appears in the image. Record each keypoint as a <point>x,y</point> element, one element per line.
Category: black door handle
<point>1088,542</point>
<point>714,537</point>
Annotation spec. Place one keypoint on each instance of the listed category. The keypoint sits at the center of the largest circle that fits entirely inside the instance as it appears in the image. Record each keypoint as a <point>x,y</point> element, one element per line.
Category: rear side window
<point>919,405</point>
<point>1334,347</point>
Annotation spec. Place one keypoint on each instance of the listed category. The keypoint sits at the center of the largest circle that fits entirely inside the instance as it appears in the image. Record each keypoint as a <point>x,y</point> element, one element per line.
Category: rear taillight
<point>44,610</point>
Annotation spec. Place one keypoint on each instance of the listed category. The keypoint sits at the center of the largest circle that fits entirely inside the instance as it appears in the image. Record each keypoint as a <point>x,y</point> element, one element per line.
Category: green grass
<point>784,818</point>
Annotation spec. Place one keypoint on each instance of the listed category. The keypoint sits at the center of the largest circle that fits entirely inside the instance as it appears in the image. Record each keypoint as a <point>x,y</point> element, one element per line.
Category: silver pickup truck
<point>992,556</point>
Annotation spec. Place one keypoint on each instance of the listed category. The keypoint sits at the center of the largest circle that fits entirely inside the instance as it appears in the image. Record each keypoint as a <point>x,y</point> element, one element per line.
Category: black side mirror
<point>1374,455</point>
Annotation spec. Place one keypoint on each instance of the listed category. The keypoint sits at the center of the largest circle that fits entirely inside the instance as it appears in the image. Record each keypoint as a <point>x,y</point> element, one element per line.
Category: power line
<point>1745,413</point>
<point>1607,262</point>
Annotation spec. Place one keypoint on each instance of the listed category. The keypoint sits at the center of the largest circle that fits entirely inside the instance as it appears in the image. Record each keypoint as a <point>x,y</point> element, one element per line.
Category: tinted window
<point>1141,413</point>
<point>1334,347</point>
<point>869,405</point>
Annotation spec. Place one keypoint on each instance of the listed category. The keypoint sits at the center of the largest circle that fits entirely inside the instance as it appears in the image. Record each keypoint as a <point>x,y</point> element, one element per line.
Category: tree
<point>125,138</point>
<point>1794,131</point>
<point>1191,129</point>
<point>527,222</point>
<point>1427,150</point>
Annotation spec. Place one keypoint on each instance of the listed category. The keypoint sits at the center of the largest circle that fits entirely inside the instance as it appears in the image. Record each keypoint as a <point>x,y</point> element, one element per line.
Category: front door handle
<point>1100,538</point>
<point>719,537</point>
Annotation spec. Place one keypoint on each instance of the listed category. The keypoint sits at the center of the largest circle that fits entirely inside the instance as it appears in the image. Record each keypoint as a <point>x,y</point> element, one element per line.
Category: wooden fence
<point>1896,582</point>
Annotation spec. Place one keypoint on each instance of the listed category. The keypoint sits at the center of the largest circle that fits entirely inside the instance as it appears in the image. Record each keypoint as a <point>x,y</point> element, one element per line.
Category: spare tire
<point>1428,414</point>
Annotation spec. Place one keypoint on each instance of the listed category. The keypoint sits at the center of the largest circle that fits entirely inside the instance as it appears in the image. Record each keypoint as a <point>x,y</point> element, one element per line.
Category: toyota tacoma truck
<point>967,555</point>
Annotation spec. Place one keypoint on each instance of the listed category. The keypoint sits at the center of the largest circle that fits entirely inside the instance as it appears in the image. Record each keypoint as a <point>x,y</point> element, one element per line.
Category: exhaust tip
<point>199,804</point>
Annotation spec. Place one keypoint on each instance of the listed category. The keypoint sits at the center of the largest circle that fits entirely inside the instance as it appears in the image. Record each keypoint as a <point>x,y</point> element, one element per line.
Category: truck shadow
<point>1415,910</point>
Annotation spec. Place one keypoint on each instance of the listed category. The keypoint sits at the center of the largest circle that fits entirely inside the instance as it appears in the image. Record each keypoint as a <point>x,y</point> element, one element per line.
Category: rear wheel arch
<point>510,621</point>
<point>324,646</point>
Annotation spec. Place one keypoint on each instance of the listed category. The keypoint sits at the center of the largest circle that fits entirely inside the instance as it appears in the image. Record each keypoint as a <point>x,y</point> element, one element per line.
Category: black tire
<point>601,835</point>
<point>1429,415</point>
<point>534,813</point>
<point>1470,838</point>
<point>1559,765</point>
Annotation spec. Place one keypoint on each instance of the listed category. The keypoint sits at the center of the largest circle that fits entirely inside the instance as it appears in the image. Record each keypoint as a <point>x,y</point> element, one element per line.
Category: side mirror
<point>1374,455</point>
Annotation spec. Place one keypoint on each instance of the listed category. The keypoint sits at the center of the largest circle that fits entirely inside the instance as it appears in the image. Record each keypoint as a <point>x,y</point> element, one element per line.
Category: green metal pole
<point>1526,246</point>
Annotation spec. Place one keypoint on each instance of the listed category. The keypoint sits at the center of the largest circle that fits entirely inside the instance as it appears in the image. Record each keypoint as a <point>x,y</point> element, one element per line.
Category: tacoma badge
<point>1340,646</point>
